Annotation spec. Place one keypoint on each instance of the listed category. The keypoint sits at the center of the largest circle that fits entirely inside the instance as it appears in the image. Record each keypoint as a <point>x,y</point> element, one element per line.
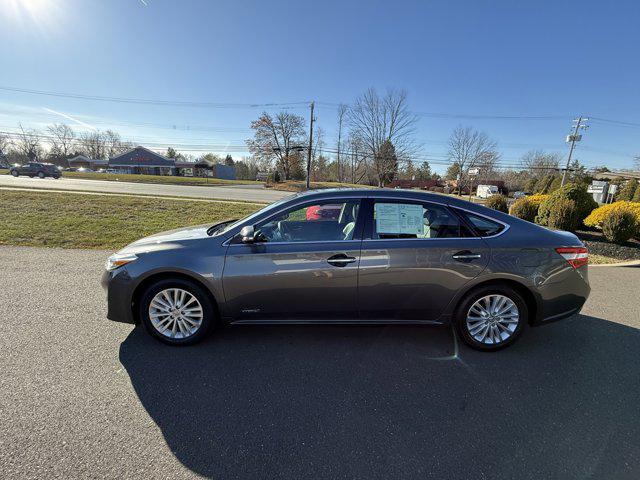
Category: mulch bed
<point>597,244</point>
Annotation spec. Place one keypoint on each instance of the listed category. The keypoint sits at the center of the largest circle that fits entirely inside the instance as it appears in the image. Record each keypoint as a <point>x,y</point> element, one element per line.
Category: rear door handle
<point>340,260</point>
<point>466,255</point>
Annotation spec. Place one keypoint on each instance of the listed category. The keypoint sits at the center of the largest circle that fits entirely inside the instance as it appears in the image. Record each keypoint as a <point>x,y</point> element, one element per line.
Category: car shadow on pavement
<point>381,402</point>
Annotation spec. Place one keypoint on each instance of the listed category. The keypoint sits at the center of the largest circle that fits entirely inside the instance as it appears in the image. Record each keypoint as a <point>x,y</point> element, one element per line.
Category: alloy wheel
<point>175,313</point>
<point>492,319</point>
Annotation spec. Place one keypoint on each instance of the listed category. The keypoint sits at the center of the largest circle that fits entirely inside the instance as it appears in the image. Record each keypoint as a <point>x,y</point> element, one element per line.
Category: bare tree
<point>276,138</point>
<point>5,144</point>
<point>28,144</point>
<point>356,152</point>
<point>376,120</point>
<point>342,111</point>
<point>469,148</point>
<point>636,162</point>
<point>114,144</point>
<point>93,145</point>
<point>63,140</point>
<point>540,163</point>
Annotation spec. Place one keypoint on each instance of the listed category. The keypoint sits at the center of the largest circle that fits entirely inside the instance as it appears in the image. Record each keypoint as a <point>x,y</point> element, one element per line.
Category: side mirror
<point>247,234</point>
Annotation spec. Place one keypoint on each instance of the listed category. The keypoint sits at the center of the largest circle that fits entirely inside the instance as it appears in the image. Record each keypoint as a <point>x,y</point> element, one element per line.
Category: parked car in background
<point>323,212</point>
<point>388,257</point>
<point>85,170</point>
<point>519,194</point>
<point>36,169</point>
<point>485,191</point>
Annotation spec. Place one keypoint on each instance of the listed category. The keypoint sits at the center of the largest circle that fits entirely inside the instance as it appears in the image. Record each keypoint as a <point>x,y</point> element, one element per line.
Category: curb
<point>630,263</point>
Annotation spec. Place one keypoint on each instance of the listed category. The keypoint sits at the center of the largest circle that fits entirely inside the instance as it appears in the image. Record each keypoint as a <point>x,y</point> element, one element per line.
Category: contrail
<point>69,117</point>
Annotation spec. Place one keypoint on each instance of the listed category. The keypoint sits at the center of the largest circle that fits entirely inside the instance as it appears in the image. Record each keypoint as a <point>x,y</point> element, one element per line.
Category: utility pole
<point>575,137</point>
<point>310,149</point>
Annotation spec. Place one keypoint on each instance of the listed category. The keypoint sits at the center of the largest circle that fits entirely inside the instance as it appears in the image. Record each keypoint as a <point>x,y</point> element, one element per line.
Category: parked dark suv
<point>380,257</point>
<point>36,169</point>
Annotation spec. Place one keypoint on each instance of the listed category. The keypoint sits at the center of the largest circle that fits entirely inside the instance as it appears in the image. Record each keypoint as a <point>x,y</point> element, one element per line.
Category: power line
<point>144,101</point>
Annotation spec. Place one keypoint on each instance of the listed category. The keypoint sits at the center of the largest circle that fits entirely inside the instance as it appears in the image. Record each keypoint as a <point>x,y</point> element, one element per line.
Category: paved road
<point>253,193</point>
<point>84,397</point>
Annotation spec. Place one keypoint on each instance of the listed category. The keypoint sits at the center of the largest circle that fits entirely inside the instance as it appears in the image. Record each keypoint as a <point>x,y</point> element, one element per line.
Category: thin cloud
<point>69,117</point>
<point>144,2</point>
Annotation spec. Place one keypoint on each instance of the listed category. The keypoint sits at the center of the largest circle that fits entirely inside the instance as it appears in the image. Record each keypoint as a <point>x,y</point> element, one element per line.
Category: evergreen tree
<point>628,191</point>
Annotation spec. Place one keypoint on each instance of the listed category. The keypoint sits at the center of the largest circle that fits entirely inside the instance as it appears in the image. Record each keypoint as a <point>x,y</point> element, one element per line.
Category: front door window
<point>327,221</point>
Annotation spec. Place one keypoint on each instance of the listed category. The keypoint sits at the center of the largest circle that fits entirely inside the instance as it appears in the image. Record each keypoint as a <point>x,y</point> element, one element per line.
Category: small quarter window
<point>482,225</point>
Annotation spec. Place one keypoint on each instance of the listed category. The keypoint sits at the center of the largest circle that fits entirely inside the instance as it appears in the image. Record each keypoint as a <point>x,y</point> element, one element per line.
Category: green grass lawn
<point>75,220</point>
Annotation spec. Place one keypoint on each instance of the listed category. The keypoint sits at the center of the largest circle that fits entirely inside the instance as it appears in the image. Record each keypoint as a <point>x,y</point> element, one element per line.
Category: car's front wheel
<point>177,312</point>
<point>491,317</point>
<point>41,175</point>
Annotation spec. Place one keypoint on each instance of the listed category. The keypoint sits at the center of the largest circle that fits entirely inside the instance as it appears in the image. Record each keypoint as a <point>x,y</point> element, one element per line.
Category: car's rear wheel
<point>15,173</point>
<point>177,312</point>
<point>491,317</point>
<point>41,175</point>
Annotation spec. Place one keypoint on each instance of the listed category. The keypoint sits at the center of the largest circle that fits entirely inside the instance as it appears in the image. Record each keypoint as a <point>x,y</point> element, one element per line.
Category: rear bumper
<point>560,300</point>
<point>119,288</point>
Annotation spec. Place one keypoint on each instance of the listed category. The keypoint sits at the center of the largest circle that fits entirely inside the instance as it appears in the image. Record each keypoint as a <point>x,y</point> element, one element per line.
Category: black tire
<point>208,310</point>
<point>41,175</point>
<point>56,177</point>
<point>15,173</point>
<point>460,318</point>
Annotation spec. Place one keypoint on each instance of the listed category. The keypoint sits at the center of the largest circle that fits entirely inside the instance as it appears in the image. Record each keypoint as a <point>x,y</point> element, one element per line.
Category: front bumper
<point>119,287</point>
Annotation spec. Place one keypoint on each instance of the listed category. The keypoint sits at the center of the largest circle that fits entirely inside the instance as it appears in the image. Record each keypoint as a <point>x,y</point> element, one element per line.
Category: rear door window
<point>392,220</point>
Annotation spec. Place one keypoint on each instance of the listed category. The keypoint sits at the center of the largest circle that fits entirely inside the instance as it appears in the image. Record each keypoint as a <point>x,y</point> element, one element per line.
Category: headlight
<point>119,259</point>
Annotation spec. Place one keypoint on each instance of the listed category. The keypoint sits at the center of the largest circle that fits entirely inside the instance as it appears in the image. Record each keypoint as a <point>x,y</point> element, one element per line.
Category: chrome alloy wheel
<point>175,313</point>
<point>492,319</point>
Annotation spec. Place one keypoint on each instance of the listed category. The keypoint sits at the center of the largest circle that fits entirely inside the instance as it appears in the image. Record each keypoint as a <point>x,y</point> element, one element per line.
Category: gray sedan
<point>355,256</point>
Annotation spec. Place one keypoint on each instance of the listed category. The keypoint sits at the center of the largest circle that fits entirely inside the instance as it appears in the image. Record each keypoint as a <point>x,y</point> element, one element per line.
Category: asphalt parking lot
<point>84,397</point>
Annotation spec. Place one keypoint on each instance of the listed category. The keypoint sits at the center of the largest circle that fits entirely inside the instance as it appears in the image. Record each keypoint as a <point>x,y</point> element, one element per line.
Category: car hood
<point>167,240</point>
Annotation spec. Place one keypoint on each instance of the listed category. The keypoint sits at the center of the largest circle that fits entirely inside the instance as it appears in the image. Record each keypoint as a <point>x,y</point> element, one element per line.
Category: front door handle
<point>340,260</point>
<point>466,255</point>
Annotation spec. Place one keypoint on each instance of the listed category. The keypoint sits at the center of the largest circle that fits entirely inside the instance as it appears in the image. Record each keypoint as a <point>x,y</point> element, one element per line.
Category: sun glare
<point>24,12</point>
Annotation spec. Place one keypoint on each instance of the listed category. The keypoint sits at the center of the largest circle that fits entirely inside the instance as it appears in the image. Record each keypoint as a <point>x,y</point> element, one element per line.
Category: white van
<point>485,191</point>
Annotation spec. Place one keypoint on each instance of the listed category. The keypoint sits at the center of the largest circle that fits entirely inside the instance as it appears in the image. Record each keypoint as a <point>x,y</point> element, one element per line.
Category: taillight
<point>575,256</point>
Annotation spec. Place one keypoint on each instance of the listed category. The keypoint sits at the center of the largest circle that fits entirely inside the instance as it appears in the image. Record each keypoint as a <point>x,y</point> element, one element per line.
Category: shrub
<point>584,203</point>
<point>525,209</point>
<point>636,196</point>
<point>497,202</point>
<point>537,199</point>
<point>619,226</point>
<point>628,191</point>
<point>598,216</point>
<point>563,215</point>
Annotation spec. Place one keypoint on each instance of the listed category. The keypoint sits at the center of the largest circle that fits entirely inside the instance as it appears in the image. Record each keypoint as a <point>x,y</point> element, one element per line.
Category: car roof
<point>399,193</point>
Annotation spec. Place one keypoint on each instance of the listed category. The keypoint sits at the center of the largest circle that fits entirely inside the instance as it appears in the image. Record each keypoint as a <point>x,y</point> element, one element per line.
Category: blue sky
<point>467,59</point>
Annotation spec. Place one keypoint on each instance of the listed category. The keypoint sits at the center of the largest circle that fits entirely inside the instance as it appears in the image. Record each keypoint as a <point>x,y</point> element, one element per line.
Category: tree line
<point>375,143</point>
